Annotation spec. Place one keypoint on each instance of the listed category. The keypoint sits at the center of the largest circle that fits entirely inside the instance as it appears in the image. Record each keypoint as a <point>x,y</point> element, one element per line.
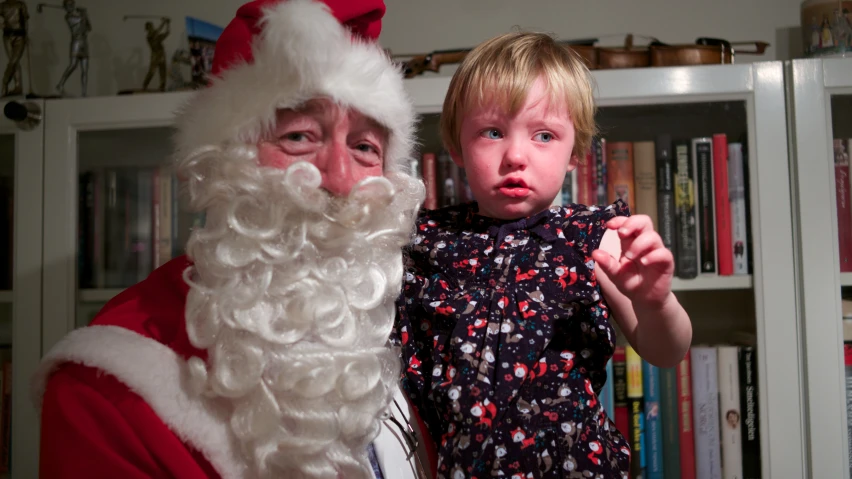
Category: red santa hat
<point>279,53</point>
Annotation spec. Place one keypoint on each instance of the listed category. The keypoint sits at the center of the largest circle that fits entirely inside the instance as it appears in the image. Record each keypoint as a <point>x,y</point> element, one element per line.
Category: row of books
<point>699,420</point>
<point>693,189</point>
<point>128,224</point>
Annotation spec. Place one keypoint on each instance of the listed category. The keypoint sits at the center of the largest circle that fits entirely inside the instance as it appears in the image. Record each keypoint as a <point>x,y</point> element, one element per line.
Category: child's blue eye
<point>491,134</point>
<point>545,137</point>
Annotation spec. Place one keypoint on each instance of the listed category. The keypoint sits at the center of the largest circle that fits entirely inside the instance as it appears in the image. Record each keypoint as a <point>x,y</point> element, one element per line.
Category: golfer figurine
<point>78,23</point>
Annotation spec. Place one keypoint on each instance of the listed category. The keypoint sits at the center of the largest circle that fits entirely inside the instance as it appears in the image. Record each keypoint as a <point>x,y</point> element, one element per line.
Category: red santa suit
<point>117,403</point>
<point>114,396</point>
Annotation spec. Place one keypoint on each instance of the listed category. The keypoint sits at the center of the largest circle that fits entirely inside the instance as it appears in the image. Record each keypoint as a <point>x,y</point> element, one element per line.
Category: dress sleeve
<point>93,426</point>
<point>589,224</point>
<point>413,333</point>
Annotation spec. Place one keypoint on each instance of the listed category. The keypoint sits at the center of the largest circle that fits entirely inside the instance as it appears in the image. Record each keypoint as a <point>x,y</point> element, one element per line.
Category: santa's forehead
<point>322,106</point>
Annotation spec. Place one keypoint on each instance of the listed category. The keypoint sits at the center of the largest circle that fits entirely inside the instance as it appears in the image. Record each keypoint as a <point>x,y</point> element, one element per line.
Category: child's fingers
<point>660,258</point>
<point>638,247</point>
<point>606,262</point>
<point>617,222</point>
<point>635,225</point>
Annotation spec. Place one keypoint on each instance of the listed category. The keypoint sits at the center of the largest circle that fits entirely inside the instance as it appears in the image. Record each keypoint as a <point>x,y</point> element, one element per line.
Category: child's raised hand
<point>642,268</point>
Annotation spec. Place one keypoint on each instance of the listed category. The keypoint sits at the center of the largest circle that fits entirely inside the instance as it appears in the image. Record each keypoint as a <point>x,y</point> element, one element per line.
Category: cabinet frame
<point>26,293</point>
<point>811,84</point>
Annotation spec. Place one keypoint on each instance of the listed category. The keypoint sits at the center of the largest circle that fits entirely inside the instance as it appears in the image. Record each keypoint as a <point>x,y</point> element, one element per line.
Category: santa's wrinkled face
<point>345,145</point>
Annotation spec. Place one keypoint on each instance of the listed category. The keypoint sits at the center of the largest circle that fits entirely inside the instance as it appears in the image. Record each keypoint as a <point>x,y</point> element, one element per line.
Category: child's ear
<point>457,158</point>
<point>573,162</point>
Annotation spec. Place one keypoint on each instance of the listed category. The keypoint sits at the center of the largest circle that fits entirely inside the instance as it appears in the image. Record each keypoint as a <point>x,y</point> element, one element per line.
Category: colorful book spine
<point>607,394</point>
<point>636,410</point>
<point>842,199</point>
<point>730,436</point>
<point>737,198</point>
<point>653,421</point>
<point>749,407</point>
<point>670,430</point>
<point>705,412</point>
<point>724,247</point>
<point>685,421</point>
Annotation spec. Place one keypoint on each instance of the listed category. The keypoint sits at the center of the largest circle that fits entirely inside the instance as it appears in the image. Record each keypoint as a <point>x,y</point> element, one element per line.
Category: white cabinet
<point>820,104</point>
<point>92,141</point>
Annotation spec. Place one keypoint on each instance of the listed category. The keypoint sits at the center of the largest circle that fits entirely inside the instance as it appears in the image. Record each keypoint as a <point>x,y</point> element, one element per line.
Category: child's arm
<point>635,273</point>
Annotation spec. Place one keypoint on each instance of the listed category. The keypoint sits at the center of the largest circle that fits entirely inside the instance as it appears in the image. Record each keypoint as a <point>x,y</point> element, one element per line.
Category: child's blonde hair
<point>504,68</point>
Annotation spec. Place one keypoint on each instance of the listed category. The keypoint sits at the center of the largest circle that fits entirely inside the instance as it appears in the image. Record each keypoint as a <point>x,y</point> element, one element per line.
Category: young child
<point>504,321</point>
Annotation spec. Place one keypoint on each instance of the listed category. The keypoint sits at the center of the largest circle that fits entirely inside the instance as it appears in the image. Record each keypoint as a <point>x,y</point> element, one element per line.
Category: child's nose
<point>515,156</point>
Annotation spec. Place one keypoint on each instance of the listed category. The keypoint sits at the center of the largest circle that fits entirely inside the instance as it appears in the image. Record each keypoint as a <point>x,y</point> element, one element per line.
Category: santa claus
<point>264,351</point>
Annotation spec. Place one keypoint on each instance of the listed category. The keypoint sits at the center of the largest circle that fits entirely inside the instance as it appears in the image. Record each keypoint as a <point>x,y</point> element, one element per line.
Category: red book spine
<point>844,213</point>
<point>724,241</point>
<point>619,371</point>
<point>587,181</point>
<point>687,432</point>
<point>430,202</point>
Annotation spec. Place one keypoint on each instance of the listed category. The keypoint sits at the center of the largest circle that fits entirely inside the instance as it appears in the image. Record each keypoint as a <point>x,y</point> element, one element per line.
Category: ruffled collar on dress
<point>499,228</point>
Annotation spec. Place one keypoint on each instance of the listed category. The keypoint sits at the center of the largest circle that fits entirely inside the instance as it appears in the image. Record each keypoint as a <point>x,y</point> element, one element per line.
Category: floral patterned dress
<point>505,338</point>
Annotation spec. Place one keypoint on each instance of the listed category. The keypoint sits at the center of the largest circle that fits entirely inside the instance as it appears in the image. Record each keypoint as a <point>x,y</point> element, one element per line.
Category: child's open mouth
<point>514,188</point>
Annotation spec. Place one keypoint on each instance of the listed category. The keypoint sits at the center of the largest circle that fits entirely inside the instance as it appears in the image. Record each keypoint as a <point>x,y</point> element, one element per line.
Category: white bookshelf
<point>701,283</point>
<point>709,283</point>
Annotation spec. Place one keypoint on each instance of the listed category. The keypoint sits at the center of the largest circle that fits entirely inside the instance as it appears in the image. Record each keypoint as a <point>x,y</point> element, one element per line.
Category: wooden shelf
<point>698,284</point>
<point>712,282</point>
<point>98,295</point>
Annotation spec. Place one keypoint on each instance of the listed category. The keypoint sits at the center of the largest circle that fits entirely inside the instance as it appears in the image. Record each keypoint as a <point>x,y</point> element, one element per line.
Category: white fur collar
<point>159,376</point>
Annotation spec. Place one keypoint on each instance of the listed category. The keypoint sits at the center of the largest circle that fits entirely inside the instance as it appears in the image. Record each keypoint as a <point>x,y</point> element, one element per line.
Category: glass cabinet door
<point>112,206</point>
<point>21,161</point>
<point>821,100</point>
<point>702,151</point>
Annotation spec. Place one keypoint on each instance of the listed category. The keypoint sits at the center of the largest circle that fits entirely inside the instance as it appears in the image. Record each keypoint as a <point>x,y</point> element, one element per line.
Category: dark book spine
<point>619,381</point>
<point>598,149</point>
<point>685,207</point>
<point>702,152</point>
<point>751,414</point>
<point>636,407</point>
<point>665,193</point>
<point>85,231</point>
<point>669,410</point>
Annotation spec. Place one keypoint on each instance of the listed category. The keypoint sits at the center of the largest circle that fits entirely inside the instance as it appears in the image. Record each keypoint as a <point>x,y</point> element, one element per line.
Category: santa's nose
<point>334,161</point>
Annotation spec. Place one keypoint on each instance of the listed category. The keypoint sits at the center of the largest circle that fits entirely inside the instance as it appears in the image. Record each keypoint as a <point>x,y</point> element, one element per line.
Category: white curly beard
<point>292,295</point>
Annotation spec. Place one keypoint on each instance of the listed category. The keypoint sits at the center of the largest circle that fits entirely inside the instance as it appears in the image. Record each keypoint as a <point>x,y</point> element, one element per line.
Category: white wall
<point>119,54</point>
